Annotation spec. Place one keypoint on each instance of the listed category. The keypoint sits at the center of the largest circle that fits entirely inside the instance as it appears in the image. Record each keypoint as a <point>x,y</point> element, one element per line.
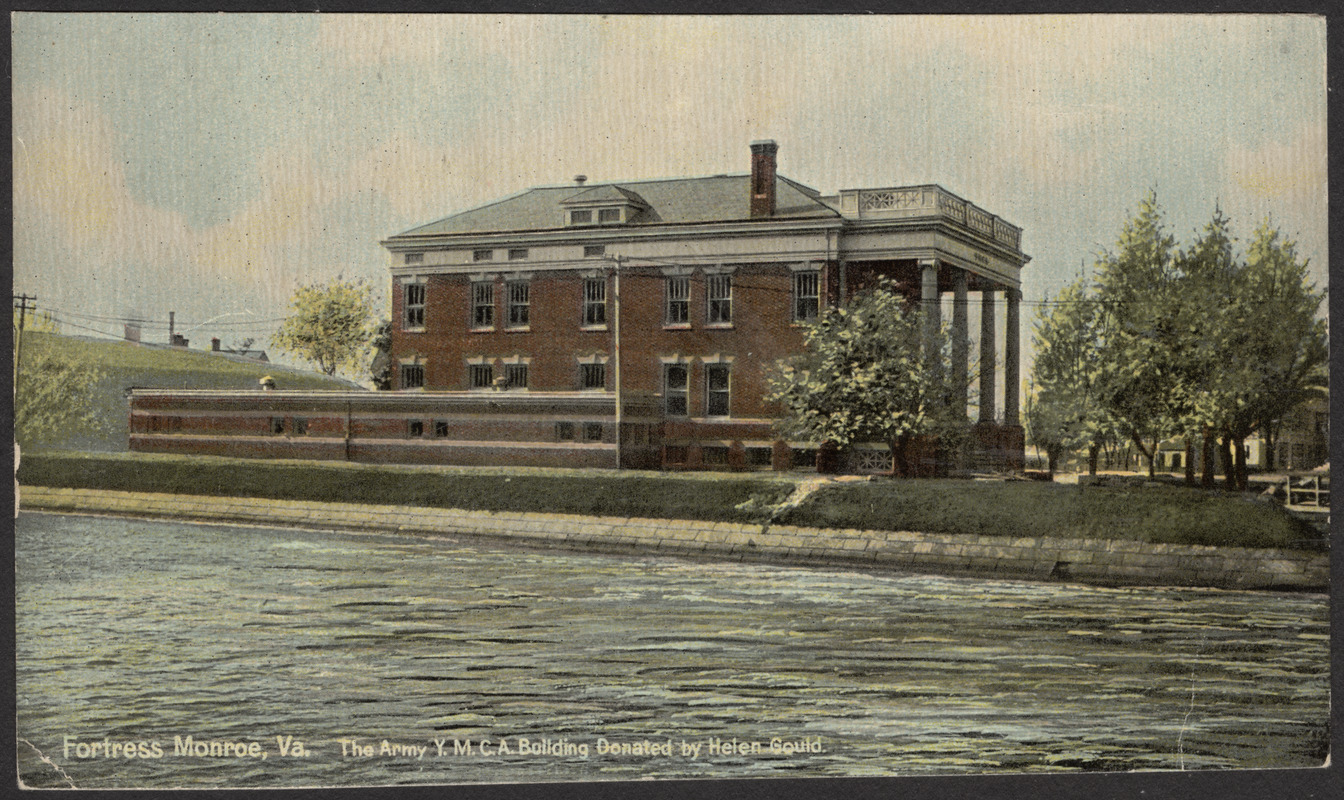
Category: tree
<point>1064,412</point>
<point>1284,351</point>
<point>1136,331</point>
<point>329,325</point>
<point>865,375</point>
<point>53,398</point>
<point>1206,382</point>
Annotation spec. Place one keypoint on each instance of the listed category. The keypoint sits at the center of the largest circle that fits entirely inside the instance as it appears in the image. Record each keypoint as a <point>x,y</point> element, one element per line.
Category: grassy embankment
<point>1159,513</point>
<point>125,365</point>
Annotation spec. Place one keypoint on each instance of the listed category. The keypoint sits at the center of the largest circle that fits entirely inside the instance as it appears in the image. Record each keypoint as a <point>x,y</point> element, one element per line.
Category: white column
<point>930,303</point>
<point>987,359</point>
<point>961,344</point>
<point>1011,358</point>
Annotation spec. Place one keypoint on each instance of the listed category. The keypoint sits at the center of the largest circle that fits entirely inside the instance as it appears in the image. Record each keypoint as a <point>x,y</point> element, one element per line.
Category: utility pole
<point>616,352</point>
<point>22,301</point>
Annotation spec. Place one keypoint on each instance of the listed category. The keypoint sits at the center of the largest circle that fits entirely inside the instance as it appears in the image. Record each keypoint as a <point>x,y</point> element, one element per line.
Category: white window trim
<point>719,361</point>
<point>472,280</point>
<point>594,275</point>
<point>794,296</point>
<point>414,280</point>
<point>512,279</point>
<point>681,361</point>
<point>732,311</point>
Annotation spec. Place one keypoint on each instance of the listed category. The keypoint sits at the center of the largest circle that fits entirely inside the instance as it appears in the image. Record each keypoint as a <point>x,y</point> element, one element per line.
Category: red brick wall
<point>762,332</point>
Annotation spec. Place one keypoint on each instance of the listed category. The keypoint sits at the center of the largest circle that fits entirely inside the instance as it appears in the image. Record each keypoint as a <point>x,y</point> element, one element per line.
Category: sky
<point>209,164</point>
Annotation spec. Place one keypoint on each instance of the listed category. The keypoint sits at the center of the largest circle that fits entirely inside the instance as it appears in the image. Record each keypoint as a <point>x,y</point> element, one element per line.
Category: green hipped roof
<point>721,198</point>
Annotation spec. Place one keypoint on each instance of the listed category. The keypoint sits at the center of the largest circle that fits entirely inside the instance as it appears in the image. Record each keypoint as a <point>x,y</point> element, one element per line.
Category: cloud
<point>66,168</point>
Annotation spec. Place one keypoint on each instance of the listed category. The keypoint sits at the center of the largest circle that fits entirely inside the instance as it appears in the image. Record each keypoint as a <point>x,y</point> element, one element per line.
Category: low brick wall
<point>1105,562</point>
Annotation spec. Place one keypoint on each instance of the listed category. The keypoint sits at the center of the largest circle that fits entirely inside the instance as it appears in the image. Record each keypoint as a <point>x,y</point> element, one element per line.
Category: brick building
<point>631,323</point>
<point>715,276</point>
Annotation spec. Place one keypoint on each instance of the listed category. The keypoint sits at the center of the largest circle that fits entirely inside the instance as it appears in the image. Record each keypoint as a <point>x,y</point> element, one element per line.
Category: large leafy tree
<point>1205,381</point>
<point>1064,412</point>
<point>866,375</point>
<point>1282,357</point>
<point>1137,331</point>
<point>330,325</point>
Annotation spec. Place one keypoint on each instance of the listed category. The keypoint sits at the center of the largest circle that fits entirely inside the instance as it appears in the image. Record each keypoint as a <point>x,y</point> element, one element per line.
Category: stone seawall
<point>1108,562</point>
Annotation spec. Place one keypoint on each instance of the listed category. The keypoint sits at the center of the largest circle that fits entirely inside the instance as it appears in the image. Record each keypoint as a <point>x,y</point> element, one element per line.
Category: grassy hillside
<point>125,365</point>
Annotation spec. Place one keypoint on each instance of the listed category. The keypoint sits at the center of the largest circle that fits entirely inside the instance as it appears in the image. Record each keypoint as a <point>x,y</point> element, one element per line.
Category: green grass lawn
<point>125,365</point>
<point>1156,513</point>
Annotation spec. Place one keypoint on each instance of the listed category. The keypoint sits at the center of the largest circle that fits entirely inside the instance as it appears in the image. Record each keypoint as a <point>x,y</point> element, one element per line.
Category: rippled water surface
<point>147,633</point>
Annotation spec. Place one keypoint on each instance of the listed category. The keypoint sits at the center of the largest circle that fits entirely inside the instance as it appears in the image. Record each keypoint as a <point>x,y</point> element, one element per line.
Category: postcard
<point>559,401</point>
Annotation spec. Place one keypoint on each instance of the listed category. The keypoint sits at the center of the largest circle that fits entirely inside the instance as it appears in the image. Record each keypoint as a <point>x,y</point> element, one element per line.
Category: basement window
<point>415,428</point>
<point>594,250</point>
<point>592,431</point>
<point>277,425</point>
<point>412,376</point>
<point>515,376</point>
<point>594,376</point>
<point>564,431</point>
<point>482,376</point>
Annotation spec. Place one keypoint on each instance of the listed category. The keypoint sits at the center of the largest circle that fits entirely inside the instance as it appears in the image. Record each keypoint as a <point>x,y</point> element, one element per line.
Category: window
<point>592,250</point>
<point>415,258</point>
<point>517,253</point>
<point>678,310</point>
<point>277,425</point>
<point>518,303</point>
<point>414,294</point>
<point>719,297</point>
<point>594,376</point>
<point>515,376</point>
<point>594,301</point>
<point>592,431</point>
<point>675,454</point>
<point>716,390</point>
<point>564,431</point>
<point>412,376</point>
<point>583,216</point>
<point>806,295</point>
<point>482,255</point>
<point>301,426</point>
<point>609,215</point>
<point>482,376</point>
<point>415,428</point>
<point>804,458</point>
<point>482,304</point>
<point>440,428</point>
<point>760,456</point>
<point>716,455</point>
<point>676,378</point>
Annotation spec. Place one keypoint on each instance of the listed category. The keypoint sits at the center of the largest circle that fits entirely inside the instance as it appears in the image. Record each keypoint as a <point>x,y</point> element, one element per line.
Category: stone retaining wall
<point>1094,561</point>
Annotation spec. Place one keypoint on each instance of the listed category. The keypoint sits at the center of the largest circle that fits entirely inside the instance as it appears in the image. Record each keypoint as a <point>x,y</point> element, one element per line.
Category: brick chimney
<point>763,178</point>
<point>214,344</point>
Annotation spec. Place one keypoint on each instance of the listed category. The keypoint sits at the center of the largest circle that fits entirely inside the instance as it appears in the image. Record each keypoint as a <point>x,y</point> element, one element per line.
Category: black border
<point>1307,784</point>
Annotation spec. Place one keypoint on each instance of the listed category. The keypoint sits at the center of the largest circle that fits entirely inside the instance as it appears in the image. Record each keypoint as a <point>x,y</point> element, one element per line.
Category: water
<point>140,632</point>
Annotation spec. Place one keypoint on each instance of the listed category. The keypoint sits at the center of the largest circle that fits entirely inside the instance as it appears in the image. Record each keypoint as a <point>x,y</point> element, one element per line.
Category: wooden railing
<point>1309,490</point>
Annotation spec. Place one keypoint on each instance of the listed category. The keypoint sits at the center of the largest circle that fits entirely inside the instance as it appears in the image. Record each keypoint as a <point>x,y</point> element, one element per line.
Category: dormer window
<point>603,205</point>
